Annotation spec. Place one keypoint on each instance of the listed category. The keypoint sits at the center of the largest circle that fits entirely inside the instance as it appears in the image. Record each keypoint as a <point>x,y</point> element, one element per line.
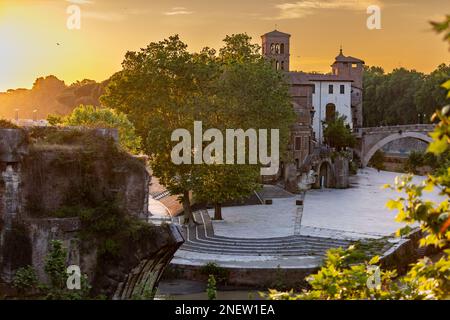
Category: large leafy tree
<point>164,87</point>
<point>431,93</point>
<point>158,89</point>
<point>249,94</point>
<point>402,96</point>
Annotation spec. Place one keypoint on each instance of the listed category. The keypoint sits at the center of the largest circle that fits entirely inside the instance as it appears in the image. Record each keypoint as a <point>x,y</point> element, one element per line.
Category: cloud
<point>104,16</point>
<point>80,1</point>
<point>305,8</point>
<point>178,11</point>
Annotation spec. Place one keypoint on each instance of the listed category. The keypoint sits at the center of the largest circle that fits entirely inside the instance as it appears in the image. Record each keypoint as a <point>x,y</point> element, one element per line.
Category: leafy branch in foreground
<point>427,278</point>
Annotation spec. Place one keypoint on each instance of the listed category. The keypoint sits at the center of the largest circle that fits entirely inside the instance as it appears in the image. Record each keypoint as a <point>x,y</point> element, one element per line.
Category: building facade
<point>316,97</point>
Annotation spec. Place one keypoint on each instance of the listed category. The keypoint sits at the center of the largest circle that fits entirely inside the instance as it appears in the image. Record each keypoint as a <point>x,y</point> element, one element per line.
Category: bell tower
<point>276,48</point>
<point>352,68</point>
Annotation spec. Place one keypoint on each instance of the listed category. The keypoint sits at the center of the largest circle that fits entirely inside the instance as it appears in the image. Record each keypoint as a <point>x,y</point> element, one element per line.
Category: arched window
<point>277,65</point>
<point>272,48</point>
<point>277,49</point>
<point>282,48</point>
<point>330,114</point>
<point>282,65</point>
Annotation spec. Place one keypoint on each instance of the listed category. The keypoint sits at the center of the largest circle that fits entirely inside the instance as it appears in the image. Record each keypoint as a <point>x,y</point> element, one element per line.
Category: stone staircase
<point>202,239</point>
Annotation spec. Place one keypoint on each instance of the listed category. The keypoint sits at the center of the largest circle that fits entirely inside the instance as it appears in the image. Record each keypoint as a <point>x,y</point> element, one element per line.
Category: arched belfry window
<point>272,48</point>
<point>277,48</point>
<point>282,48</point>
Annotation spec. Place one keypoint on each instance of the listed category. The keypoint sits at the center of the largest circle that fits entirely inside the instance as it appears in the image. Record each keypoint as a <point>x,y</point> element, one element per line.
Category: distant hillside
<point>49,95</point>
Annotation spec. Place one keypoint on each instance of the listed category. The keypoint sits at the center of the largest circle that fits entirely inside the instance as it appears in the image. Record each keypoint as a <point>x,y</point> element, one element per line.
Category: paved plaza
<point>288,235</point>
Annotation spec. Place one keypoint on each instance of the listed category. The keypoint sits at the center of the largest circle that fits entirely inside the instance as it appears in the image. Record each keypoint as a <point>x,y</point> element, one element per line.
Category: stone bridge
<point>375,138</point>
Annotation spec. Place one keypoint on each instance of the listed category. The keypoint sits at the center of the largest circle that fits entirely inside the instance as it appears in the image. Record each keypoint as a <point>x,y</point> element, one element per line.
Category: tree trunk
<point>188,216</point>
<point>218,211</point>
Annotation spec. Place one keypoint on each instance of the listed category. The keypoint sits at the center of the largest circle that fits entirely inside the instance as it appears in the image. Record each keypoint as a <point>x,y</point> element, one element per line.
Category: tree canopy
<point>164,87</point>
<point>94,117</point>
<point>402,96</point>
<point>337,134</point>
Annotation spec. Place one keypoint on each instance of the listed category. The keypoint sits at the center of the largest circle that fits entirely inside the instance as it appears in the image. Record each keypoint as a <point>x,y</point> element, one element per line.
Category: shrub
<point>25,279</point>
<point>211,289</point>
<point>6,124</point>
<point>211,268</point>
<point>377,160</point>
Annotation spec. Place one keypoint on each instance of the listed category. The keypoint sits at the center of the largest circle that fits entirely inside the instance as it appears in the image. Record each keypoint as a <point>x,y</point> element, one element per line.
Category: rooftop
<point>276,33</point>
<point>349,59</point>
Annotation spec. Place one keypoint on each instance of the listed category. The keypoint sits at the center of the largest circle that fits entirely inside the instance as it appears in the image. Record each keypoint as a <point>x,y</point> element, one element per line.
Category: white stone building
<point>317,97</point>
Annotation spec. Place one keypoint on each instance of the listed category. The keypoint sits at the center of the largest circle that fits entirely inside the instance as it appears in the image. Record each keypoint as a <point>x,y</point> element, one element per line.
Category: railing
<point>404,128</point>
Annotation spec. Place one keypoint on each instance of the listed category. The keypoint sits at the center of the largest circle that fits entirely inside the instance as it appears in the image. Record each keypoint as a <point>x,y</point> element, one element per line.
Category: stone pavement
<point>203,245</point>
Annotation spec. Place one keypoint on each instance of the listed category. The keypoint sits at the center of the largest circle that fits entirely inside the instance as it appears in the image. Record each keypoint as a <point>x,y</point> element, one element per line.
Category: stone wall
<point>342,174</point>
<point>39,179</point>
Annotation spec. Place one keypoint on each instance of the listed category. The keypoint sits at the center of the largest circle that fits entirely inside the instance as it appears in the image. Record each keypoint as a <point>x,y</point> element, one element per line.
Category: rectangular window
<point>314,89</point>
<point>342,89</point>
<point>298,143</point>
<point>330,89</point>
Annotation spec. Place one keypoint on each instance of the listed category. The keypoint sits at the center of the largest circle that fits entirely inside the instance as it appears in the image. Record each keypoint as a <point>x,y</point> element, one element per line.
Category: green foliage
<point>426,279</point>
<point>279,282</point>
<point>338,280</point>
<point>222,183</point>
<point>55,265</point>
<point>27,283</point>
<point>220,274</point>
<point>337,134</point>
<point>403,96</point>
<point>211,289</point>
<point>164,87</point>
<point>145,293</point>
<point>443,27</point>
<point>106,225</point>
<point>353,167</point>
<point>6,124</point>
<point>419,159</point>
<point>377,160</point>
<point>94,117</point>
<point>54,120</point>
<point>431,93</point>
<point>25,279</point>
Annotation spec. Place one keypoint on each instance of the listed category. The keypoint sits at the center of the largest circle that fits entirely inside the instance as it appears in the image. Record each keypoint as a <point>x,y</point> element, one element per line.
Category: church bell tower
<point>276,48</point>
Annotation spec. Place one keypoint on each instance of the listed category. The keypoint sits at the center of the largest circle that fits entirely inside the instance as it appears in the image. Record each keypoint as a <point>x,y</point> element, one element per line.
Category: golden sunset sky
<point>31,29</point>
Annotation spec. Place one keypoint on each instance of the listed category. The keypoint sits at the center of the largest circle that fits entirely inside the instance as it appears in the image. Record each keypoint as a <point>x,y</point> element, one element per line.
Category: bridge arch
<point>395,136</point>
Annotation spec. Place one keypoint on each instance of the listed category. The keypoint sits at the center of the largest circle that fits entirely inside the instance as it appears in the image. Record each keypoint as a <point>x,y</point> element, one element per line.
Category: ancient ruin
<point>78,187</point>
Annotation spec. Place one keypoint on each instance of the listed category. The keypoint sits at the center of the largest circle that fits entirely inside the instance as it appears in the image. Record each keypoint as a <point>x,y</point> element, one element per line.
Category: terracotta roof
<point>342,58</point>
<point>306,78</point>
<point>276,33</point>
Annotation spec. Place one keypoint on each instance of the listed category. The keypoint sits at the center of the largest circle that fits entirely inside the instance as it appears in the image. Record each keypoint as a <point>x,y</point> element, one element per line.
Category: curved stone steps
<point>256,252</point>
<point>299,250</point>
<point>201,239</point>
<point>291,242</point>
